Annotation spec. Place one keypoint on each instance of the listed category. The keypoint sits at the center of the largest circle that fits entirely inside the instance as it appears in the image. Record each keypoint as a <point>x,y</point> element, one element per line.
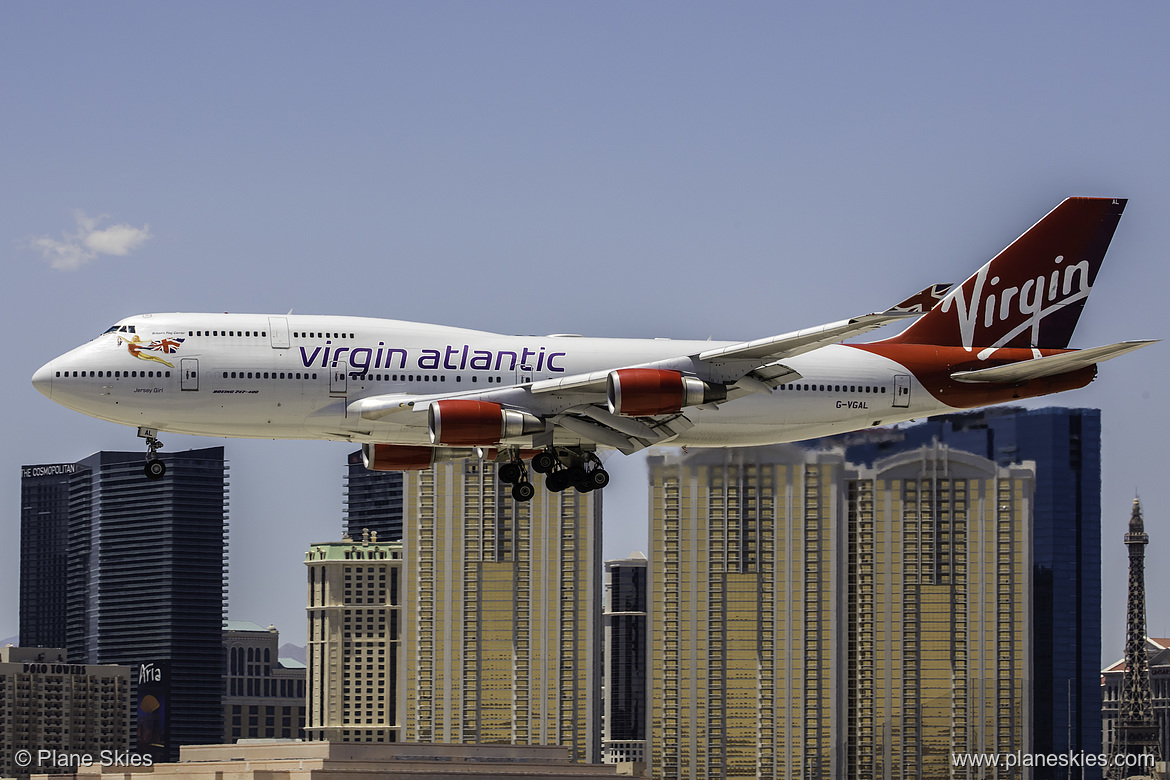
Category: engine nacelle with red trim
<point>401,457</point>
<point>478,423</point>
<point>636,392</point>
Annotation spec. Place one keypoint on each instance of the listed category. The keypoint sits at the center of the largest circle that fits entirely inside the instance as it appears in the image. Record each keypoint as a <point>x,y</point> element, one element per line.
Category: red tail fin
<point>1030,294</point>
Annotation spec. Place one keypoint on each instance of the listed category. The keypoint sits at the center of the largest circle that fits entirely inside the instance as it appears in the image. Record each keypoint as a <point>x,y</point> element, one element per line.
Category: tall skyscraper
<point>502,601</point>
<point>144,580</point>
<point>47,497</point>
<point>627,660</point>
<point>1065,445</point>
<point>811,618</point>
<point>373,500</point>
<point>354,652</point>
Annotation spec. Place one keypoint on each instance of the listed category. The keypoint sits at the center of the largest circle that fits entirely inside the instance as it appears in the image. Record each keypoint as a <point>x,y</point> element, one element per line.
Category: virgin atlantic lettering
<point>451,358</point>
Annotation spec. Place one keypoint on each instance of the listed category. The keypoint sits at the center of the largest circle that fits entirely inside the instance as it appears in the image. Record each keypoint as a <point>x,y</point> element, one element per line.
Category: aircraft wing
<point>577,403</point>
<point>1051,365</point>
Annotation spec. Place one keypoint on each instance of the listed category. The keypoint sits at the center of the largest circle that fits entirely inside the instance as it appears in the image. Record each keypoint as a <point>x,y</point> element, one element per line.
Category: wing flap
<point>1050,365</point>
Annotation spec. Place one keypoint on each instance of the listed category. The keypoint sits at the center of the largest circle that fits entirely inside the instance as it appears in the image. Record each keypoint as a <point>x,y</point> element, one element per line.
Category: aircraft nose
<point>43,380</point>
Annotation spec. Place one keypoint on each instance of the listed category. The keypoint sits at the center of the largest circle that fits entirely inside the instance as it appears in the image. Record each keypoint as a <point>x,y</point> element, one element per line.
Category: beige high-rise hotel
<point>810,618</point>
<point>502,603</point>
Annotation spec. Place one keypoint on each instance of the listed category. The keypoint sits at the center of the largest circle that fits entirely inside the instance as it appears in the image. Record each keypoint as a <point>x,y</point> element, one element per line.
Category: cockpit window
<point>121,329</point>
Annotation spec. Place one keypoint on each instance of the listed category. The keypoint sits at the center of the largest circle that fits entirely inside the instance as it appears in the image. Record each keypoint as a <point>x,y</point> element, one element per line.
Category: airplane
<point>414,394</point>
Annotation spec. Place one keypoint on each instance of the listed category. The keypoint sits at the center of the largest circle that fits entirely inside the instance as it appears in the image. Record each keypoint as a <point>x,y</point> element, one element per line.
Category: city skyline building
<point>502,605</point>
<point>815,618</point>
<point>264,694</point>
<point>1065,445</point>
<point>373,500</point>
<point>627,658</point>
<point>46,494</point>
<point>355,661</point>
<point>47,703</point>
<point>145,582</point>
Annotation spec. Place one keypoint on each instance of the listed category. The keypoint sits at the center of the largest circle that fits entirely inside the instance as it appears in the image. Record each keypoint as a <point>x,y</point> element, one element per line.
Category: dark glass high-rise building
<point>626,660</point>
<point>142,563</point>
<point>373,501</point>
<point>46,495</point>
<point>1066,550</point>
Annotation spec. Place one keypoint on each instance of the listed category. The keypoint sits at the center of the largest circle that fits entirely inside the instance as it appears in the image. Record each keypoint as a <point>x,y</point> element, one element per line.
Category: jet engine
<point>478,423</point>
<point>401,457</point>
<point>635,392</point>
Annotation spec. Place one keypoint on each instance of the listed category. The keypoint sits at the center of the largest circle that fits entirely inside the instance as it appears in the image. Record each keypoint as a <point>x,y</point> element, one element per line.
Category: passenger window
<point>168,373</point>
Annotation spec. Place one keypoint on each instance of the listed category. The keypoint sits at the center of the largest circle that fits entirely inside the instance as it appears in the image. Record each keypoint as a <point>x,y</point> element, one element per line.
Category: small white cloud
<point>77,249</point>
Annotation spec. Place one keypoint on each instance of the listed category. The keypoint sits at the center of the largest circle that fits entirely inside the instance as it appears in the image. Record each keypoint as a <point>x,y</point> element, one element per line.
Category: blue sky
<point>650,169</point>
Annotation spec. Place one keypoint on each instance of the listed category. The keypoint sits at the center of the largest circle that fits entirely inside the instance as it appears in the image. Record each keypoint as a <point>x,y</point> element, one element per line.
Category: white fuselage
<point>295,376</point>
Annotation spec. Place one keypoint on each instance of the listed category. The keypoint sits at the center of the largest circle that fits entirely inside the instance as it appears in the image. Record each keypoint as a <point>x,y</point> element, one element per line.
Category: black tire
<point>544,462</point>
<point>509,473</point>
<point>523,491</point>
<point>598,478</point>
<point>557,481</point>
<point>154,469</point>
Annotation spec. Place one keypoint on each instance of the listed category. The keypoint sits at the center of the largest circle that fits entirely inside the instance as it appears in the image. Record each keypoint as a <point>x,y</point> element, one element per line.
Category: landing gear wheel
<point>557,481</point>
<point>544,462</point>
<point>523,491</point>
<point>510,473</point>
<point>154,469</point>
<point>578,478</point>
<point>598,478</point>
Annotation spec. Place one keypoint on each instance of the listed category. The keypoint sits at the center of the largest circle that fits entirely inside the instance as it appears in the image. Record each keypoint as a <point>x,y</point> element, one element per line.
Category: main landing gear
<point>154,468</point>
<point>564,468</point>
<point>515,474</point>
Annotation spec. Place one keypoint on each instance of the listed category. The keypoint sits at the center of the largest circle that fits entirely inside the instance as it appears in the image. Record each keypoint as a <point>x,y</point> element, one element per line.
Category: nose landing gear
<point>154,468</point>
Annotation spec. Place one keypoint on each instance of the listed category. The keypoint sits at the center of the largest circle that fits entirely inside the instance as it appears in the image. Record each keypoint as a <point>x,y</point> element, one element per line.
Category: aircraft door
<point>189,373</point>
<point>278,332</point>
<point>902,390</point>
<point>339,379</point>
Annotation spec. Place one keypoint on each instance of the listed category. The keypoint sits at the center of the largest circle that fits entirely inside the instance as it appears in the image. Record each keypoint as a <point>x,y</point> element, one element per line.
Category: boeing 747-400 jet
<point>414,394</point>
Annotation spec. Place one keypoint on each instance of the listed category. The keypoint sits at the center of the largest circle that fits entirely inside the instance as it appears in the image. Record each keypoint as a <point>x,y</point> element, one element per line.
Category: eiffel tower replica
<point>1137,730</point>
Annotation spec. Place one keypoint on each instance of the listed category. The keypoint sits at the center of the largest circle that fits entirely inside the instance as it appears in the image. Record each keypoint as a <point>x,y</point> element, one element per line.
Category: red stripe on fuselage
<point>932,366</point>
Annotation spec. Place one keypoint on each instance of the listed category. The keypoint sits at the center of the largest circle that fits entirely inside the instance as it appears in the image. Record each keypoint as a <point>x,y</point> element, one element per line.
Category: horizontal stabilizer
<point>1051,365</point>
